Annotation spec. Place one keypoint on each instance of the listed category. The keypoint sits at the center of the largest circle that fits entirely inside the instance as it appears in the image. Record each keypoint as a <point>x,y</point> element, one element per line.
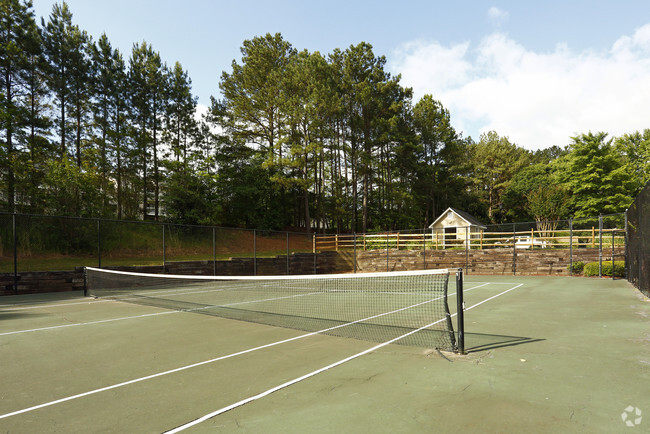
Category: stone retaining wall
<point>59,281</point>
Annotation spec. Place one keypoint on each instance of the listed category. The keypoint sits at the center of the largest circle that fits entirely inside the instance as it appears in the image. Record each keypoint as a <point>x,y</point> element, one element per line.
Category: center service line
<point>205,362</point>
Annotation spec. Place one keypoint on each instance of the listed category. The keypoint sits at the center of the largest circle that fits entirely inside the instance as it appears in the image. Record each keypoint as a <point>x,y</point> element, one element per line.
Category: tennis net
<point>375,307</point>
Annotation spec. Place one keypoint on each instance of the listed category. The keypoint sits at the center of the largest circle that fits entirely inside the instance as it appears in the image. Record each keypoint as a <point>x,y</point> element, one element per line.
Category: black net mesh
<point>373,307</point>
<point>638,242</point>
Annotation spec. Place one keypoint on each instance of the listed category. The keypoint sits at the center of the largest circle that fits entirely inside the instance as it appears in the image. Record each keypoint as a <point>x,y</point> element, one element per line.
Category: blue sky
<point>537,72</point>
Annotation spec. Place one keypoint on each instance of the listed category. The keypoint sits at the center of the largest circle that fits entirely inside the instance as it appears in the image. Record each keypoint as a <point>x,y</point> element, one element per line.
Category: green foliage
<point>598,178</point>
<point>591,269</point>
<point>635,148</point>
<point>298,139</point>
<point>495,161</point>
<point>578,267</point>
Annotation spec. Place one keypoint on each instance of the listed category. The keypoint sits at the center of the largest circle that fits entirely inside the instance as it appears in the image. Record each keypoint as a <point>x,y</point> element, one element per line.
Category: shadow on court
<point>476,342</point>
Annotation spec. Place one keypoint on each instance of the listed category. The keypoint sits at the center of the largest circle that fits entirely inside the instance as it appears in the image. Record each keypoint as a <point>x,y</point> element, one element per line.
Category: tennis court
<point>544,354</point>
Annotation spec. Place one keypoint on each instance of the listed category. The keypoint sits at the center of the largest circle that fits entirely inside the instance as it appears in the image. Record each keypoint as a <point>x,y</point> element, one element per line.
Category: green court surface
<point>545,354</point>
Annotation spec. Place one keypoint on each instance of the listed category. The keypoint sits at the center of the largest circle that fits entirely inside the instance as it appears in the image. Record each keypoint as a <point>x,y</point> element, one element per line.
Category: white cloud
<point>497,16</point>
<point>536,99</point>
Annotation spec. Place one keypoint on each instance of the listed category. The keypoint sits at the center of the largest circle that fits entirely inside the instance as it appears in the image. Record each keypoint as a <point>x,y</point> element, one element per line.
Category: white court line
<point>87,323</point>
<point>35,305</point>
<point>316,372</point>
<point>183,368</point>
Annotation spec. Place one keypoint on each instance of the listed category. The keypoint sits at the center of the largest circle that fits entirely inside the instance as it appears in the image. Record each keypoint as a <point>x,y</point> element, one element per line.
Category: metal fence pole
<point>466,248</point>
<point>625,251</point>
<point>287,234</point>
<point>355,253</point>
<point>600,245</point>
<point>99,244</point>
<point>613,262</point>
<point>214,251</point>
<point>254,252</point>
<point>424,248</point>
<point>387,241</point>
<point>15,234</point>
<point>514,250</point>
<point>571,246</point>
<point>313,237</point>
<point>163,248</point>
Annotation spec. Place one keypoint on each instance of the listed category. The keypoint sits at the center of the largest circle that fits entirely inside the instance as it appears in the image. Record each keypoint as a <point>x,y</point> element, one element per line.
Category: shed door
<point>450,233</point>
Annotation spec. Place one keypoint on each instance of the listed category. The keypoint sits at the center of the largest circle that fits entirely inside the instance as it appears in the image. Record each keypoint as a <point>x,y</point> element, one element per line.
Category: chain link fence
<point>37,243</point>
<point>638,242</point>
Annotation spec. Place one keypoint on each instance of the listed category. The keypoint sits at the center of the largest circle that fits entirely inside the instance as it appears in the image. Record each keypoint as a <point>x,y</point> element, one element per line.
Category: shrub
<point>591,269</point>
<point>577,267</point>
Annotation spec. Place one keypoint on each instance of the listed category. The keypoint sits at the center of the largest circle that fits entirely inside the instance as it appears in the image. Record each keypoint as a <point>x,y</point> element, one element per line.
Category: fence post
<point>613,262</point>
<point>466,248</point>
<point>387,241</point>
<point>99,244</point>
<point>532,238</point>
<point>163,246</point>
<point>254,252</point>
<point>287,233</point>
<point>600,246</point>
<point>625,252</point>
<point>315,260</point>
<point>424,248</point>
<point>214,251</point>
<point>514,250</point>
<point>355,253</point>
<point>571,246</point>
<point>15,234</point>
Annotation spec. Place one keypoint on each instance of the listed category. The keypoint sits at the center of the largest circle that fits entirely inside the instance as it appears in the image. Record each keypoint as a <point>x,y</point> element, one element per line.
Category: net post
<point>460,311</point>
<point>85,282</point>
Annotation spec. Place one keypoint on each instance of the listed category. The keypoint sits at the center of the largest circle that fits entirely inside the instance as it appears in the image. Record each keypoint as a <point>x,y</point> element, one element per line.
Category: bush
<point>577,267</point>
<point>591,269</point>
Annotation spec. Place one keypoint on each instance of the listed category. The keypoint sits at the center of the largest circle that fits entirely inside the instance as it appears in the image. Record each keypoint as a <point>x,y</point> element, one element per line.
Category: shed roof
<point>471,220</point>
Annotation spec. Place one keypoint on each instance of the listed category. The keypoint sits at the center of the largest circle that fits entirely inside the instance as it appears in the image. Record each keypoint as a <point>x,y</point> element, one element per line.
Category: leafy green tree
<point>597,176</point>
<point>72,191</point>
<point>636,149</point>
<point>548,204</point>
<point>515,196</point>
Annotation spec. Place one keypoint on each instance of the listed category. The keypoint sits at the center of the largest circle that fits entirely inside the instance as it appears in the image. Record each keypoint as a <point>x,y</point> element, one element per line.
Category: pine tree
<point>18,43</point>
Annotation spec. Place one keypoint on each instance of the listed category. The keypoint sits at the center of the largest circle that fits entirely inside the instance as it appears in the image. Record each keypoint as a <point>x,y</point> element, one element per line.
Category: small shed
<point>454,228</point>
